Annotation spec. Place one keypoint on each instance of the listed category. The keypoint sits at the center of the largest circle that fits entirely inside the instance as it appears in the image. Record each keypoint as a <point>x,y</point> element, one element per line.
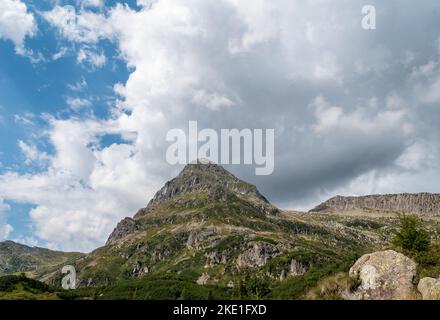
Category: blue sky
<point>90,88</point>
<point>31,89</point>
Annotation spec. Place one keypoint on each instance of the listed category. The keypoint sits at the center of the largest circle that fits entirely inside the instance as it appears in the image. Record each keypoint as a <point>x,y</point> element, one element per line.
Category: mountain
<point>425,204</point>
<point>198,186</point>
<point>17,258</point>
<point>207,233</point>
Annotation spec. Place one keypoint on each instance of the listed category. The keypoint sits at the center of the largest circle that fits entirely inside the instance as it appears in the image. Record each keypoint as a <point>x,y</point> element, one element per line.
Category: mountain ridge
<point>16,257</point>
<point>208,227</point>
<point>206,233</point>
<point>412,203</point>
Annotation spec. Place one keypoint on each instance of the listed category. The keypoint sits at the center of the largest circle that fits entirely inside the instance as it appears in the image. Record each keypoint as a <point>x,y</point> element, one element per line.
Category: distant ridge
<point>416,203</point>
<point>16,258</point>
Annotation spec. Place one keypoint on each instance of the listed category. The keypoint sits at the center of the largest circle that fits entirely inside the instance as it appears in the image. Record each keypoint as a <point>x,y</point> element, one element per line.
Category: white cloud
<point>16,23</point>
<point>28,241</point>
<point>32,154</point>
<point>430,93</point>
<point>5,229</point>
<point>85,189</point>
<point>212,101</point>
<point>78,86</point>
<point>27,119</point>
<point>96,60</point>
<point>92,3</point>
<point>332,118</point>
<point>61,53</point>
<point>86,27</point>
<point>78,103</point>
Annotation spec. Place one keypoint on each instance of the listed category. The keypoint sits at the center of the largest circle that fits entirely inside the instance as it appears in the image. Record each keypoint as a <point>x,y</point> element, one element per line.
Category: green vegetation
<point>16,258</point>
<point>429,261</point>
<point>334,287</point>
<point>297,287</point>
<point>22,288</point>
<point>209,235</point>
<point>411,235</point>
<point>364,224</point>
<point>252,287</point>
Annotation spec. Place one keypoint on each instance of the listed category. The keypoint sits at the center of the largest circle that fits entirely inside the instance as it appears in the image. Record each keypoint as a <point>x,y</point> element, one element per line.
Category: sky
<point>90,88</point>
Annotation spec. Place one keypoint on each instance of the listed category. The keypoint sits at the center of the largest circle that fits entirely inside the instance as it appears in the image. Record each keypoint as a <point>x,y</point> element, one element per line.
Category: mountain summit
<point>213,180</point>
<point>200,187</point>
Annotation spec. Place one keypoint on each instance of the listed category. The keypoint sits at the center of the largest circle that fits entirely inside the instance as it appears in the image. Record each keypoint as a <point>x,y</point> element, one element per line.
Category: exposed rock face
<point>214,258</point>
<point>124,228</point>
<point>385,275</point>
<point>419,203</point>
<point>201,238</point>
<point>196,180</point>
<point>257,255</point>
<point>429,288</point>
<point>203,279</point>
<point>213,179</point>
<point>296,269</point>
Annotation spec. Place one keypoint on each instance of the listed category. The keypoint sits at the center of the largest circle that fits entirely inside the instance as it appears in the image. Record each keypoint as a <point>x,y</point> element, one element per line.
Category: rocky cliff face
<point>194,187</point>
<point>124,228</point>
<point>419,203</point>
<point>213,180</point>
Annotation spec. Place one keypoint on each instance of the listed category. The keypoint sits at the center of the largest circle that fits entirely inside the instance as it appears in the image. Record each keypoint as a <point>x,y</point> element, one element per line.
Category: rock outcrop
<point>419,203</point>
<point>215,181</point>
<point>385,275</point>
<point>429,288</point>
<point>201,238</point>
<point>124,228</point>
<point>257,255</point>
<point>203,279</point>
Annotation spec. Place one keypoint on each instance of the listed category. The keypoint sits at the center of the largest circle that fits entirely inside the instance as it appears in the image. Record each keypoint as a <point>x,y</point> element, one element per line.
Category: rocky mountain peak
<point>198,186</point>
<point>209,178</point>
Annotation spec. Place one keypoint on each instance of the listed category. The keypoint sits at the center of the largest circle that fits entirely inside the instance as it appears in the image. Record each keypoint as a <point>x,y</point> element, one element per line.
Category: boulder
<point>384,275</point>
<point>429,288</point>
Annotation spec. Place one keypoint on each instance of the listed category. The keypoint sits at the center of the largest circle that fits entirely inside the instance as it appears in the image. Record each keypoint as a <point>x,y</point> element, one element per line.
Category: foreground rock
<point>385,275</point>
<point>429,288</point>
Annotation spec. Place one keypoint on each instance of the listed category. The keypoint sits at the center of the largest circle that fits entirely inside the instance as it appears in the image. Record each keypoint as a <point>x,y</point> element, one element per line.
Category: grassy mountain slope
<point>17,258</point>
<point>22,288</point>
<point>208,234</point>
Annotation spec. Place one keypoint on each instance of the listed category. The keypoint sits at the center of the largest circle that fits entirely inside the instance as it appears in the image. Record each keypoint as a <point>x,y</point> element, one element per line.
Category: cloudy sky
<point>89,89</point>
